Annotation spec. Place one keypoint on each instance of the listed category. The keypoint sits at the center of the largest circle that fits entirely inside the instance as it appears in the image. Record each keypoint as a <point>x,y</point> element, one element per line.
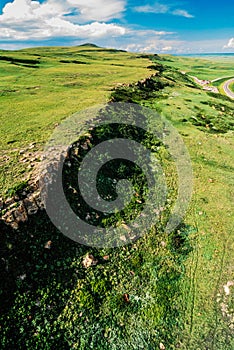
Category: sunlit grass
<point>34,100</point>
<point>162,289</point>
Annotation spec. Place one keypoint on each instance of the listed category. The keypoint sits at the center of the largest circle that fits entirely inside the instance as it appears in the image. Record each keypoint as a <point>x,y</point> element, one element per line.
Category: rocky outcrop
<point>15,210</point>
<point>18,208</point>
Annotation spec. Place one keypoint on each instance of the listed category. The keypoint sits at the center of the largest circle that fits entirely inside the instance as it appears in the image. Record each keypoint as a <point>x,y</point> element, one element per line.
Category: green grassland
<point>216,69</point>
<point>209,266</point>
<point>206,122</point>
<point>166,289</point>
<point>40,87</point>
<point>232,87</point>
<point>203,68</point>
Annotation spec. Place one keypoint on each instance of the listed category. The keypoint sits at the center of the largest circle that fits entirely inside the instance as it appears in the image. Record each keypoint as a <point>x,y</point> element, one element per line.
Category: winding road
<point>227,89</point>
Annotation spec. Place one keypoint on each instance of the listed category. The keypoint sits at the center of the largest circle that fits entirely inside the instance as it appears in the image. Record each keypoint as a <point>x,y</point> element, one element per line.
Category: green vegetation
<point>213,68</point>
<point>219,82</point>
<point>40,87</point>
<point>161,289</point>
<point>210,264</point>
<point>203,68</point>
<point>232,87</point>
<point>51,301</point>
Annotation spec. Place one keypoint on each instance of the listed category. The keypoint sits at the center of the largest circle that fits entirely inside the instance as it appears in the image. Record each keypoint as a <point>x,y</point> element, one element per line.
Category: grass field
<point>232,87</point>
<point>40,87</point>
<point>203,68</point>
<point>201,118</point>
<point>164,290</point>
<point>210,265</point>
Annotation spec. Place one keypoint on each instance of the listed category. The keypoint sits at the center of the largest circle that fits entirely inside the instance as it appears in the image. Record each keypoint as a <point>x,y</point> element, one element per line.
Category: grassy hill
<point>162,291</point>
<point>40,87</point>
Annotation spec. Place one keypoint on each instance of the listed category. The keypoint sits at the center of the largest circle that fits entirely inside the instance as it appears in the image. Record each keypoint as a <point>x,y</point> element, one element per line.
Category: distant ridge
<point>99,47</point>
<point>89,44</point>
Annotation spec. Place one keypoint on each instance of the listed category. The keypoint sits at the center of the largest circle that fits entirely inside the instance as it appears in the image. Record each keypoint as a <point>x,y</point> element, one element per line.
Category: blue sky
<point>175,26</point>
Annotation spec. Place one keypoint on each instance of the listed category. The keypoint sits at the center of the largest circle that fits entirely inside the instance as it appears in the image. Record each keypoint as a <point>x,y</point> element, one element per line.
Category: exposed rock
<point>48,245</point>
<point>17,209</point>
<point>9,216</point>
<point>126,298</point>
<point>89,260</point>
<point>30,206</point>
<point>9,201</point>
<point>20,214</point>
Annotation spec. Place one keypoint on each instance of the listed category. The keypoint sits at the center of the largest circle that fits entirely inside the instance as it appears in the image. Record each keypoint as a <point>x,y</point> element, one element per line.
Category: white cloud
<point>182,13</point>
<point>166,48</point>
<point>149,33</point>
<point>230,44</point>
<point>156,8</point>
<point>56,27</point>
<point>59,27</point>
<point>163,9</point>
<point>156,45</point>
<point>164,44</point>
<point>30,20</point>
<point>99,10</point>
<point>87,10</point>
<point>150,41</point>
<point>20,10</point>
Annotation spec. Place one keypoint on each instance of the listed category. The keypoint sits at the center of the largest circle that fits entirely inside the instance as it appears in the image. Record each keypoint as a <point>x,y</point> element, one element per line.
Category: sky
<point>174,26</point>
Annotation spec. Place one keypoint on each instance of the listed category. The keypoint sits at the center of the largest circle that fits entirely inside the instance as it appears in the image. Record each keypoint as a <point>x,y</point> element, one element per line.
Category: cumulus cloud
<point>170,44</point>
<point>31,20</point>
<point>88,10</point>
<point>153,46</point>
<point>150,41</point>
<point>20,10</point>
<point>158,8</point>
<point>230,44</point>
